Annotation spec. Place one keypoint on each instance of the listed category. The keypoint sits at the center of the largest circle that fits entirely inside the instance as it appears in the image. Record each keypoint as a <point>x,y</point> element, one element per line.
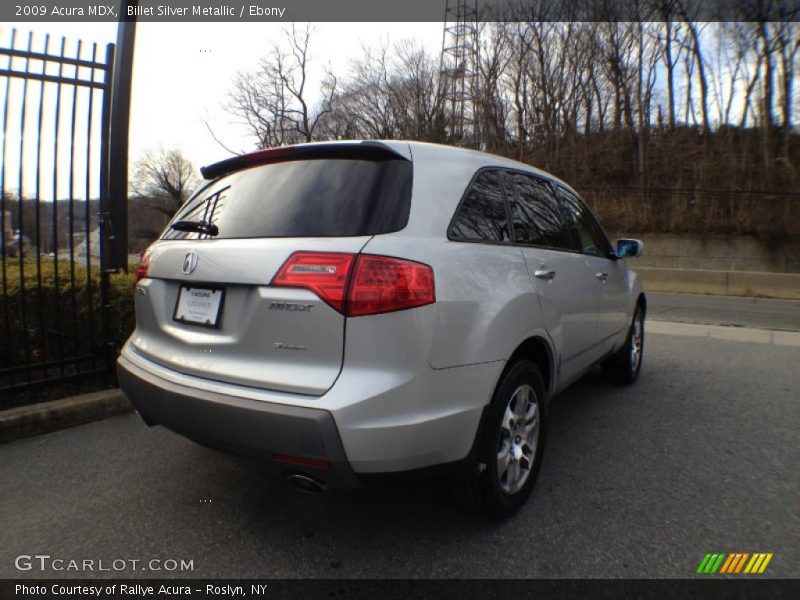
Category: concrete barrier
<point>784,286</point>
<point>717,253</point>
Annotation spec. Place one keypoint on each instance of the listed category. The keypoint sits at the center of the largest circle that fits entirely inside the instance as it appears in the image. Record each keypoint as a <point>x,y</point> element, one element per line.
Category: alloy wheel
<point>518,440</point>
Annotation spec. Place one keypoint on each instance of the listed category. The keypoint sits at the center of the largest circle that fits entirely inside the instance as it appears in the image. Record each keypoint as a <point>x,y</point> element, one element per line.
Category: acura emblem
<point>189,263</point>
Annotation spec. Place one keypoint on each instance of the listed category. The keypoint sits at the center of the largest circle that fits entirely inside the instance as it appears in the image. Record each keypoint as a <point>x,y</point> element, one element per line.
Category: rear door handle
<point>544,274</point>
<point>602,276</point>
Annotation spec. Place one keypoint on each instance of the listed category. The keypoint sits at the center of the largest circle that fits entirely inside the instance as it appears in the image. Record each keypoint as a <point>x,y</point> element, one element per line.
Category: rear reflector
<point>359,285</point>
<point>314,463</point>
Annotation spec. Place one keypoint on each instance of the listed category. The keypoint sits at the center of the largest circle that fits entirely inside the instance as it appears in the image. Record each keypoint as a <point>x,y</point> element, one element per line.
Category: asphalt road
<point>759,313</point>
<point>699,456</point>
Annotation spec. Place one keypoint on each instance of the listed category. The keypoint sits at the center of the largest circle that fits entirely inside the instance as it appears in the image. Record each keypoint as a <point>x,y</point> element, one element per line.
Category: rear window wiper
<point>198,226</point>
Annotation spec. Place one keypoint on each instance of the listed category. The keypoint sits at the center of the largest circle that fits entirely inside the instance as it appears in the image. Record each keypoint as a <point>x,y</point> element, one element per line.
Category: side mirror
<point>629,248</point>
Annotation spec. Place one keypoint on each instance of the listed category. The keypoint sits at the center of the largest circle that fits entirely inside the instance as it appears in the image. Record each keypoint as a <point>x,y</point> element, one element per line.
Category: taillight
<point>382,284</point>
<point>324,273</point>
<point>141,270</point>
<point>377,284</point>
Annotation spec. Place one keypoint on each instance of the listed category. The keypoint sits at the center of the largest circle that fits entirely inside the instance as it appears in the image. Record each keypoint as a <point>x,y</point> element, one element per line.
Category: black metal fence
<point>55,113</point>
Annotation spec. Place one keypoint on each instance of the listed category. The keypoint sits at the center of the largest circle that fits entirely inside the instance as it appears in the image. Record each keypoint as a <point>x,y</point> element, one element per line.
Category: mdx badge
<point>276,305</point>
<point>189,263</point>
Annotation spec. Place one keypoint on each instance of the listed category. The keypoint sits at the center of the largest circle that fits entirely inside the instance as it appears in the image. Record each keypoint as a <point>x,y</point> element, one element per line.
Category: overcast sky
<point>183,72</point>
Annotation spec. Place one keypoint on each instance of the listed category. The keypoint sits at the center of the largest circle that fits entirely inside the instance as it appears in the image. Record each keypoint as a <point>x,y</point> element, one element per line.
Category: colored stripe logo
<point>734,563</point>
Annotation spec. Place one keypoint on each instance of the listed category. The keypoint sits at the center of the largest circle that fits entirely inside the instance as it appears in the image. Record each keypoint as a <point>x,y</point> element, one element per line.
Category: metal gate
<point>55,103</point>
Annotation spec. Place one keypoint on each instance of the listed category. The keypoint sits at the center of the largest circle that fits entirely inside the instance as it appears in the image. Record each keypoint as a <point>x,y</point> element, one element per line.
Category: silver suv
<point>350,308</point>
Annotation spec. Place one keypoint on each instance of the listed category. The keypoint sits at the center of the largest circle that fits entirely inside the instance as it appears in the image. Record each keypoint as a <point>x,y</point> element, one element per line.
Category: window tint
<point>482,215</point>
<point>304,198</point>
<point>587,234</point>
<point>535,214</point>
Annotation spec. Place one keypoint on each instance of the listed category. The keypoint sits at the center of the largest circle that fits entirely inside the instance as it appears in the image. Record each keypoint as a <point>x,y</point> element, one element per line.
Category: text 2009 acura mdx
<point>351,308</point>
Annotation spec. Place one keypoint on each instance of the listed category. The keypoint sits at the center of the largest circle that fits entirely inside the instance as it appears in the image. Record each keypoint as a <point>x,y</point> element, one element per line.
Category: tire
<point>513,426</point>
<point>623,366</point>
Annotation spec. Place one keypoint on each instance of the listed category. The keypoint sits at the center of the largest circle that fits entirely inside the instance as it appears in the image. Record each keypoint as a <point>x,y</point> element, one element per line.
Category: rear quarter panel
<point>485,303</point>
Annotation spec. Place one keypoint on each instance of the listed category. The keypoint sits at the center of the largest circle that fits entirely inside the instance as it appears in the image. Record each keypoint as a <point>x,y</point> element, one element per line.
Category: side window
<point>482,215</point>
<point>589,237</point>
<point>535,214</point>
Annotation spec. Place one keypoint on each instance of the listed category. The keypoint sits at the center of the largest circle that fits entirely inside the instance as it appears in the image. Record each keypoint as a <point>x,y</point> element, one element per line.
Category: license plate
<point>199,306</point>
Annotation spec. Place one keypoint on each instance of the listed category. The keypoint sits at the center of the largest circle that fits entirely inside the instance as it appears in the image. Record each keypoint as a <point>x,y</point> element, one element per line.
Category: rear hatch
<point>205,305</point>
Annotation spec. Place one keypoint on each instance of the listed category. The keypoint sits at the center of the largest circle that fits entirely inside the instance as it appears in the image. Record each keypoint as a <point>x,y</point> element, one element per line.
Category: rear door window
<point>482,214</point>
<point>535,214</point>
<point>588,237</point>
<point>304,198</point>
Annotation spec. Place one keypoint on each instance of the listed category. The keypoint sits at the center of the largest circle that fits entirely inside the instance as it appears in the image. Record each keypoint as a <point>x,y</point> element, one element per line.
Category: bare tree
<point>671,53</point>
<point>417,99</point>
<point>743,38</point>
<point>618,40</point>
<point>162,181</point>
<point>166,177</point>
<point>729,70</point>
<point>647,57</point>
<point>274,100</point>
<point>788,42</point>
<point>363,106</point>
<point>516,82</point>
<point>694,30</point>
<point>391,93</point>
<point>491,104</point>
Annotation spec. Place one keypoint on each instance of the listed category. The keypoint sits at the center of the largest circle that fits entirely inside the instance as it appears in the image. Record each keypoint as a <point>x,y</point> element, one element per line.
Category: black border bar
<point>438,589</point>
<point>392,11</point>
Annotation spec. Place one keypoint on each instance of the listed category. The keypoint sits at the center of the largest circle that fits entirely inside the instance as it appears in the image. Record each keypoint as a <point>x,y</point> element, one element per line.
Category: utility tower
<point>458,71</point>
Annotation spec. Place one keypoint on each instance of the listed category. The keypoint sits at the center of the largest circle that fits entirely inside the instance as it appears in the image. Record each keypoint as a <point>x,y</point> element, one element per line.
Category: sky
<point>183,72</point>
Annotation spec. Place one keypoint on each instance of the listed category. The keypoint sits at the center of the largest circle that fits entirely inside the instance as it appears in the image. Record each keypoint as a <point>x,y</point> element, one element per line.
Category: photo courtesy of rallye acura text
<point>137,590</point>
<point>351,308</point>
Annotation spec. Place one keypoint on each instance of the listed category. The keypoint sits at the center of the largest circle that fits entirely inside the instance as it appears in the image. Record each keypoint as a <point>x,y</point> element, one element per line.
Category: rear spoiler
<point>370,150</point>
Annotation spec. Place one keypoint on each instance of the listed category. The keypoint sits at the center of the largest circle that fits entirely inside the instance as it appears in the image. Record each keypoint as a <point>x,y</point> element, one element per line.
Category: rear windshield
<point>303,198</point>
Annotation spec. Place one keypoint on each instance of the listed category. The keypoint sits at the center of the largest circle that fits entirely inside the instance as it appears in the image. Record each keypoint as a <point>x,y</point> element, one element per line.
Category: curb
<point>725,332</point>
<point>35,419</point>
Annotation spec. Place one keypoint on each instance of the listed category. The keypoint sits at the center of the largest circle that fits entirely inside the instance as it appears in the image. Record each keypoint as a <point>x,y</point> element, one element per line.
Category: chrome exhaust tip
<point>307,484</point>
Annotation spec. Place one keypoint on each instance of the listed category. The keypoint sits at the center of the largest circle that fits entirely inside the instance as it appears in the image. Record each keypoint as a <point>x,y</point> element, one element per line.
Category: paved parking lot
<point>701,455</point>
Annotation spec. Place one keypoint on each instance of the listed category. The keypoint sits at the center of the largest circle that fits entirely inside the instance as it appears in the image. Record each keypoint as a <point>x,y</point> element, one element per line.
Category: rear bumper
<point>241,425</point>
<point>373,420</point>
